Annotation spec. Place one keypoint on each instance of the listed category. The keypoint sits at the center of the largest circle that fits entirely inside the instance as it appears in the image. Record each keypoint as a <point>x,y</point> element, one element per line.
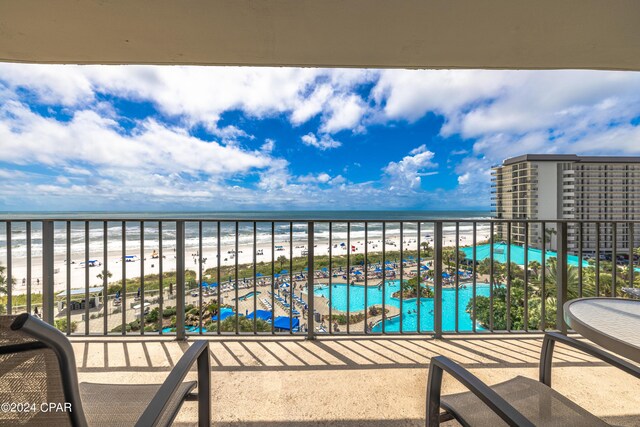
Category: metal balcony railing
<point>138,276</point>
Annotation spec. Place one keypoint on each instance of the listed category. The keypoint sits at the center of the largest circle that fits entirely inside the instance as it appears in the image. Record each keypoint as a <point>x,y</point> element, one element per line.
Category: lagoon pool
<point>517,254</point>
<point>409,319</point>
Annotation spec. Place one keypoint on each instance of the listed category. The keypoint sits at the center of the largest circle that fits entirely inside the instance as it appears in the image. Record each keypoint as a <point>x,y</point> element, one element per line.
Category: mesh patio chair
<point>37,365</point>
<point>521,401</point>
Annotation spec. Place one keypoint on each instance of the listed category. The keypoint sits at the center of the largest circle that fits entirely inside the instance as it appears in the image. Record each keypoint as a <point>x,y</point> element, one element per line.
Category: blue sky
<point>139,138</point>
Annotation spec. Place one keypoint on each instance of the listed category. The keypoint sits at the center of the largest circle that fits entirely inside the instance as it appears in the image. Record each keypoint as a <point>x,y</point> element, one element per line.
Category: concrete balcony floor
<point>350,381</point>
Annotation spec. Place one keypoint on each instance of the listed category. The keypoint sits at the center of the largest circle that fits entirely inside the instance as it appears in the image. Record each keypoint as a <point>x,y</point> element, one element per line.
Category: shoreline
<point>209,253</point>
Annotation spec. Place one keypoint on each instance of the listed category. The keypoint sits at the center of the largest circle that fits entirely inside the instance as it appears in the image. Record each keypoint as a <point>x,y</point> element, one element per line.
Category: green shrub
<point>168,312</point>
<point>152,317</point>
<point>61,324</point>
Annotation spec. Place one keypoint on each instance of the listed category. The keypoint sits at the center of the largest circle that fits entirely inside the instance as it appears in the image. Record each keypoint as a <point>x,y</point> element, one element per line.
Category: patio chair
<point>520,401</point>
<point>37,365</point>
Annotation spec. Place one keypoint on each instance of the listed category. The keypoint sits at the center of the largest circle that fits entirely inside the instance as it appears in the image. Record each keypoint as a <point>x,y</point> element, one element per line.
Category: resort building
<point>567,186</point>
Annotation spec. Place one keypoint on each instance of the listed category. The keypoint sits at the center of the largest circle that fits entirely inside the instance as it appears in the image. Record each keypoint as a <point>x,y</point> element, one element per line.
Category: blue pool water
<point>517,254</point>
<point>409,319</point>
<point>249,295</point>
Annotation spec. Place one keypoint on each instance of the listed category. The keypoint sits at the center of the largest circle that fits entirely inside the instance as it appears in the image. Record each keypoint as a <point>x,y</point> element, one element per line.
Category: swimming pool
<point>409,319</point>
<point>249,295</point>
<point>517,254</point>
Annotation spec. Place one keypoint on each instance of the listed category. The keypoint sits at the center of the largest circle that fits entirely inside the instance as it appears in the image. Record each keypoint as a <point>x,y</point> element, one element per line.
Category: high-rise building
<point>595,189</point>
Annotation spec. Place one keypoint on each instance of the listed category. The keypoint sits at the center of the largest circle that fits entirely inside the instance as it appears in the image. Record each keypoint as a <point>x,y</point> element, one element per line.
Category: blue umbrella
<point>410,257</point>
<point>260,314</point>
<point>284,271</point>
<point>284,285</point>
<point>357,273</point>
<point>324,269</point>
<point>388,268</point>
<point>446,275</point>
<point>276,275</point>
<point>424,267</point>
<point>306,269</point>
<point>258,274</point>
<point>387,262</point>
<point>377,270</point>
<point>214,285</point>
<point>283,322</point>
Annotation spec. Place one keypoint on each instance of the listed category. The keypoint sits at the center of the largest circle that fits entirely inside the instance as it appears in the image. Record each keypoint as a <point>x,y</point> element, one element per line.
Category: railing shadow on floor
<point>294,354</point>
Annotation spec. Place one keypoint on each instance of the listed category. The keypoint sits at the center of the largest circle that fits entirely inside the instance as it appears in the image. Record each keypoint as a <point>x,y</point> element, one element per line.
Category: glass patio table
<point>613,323</point>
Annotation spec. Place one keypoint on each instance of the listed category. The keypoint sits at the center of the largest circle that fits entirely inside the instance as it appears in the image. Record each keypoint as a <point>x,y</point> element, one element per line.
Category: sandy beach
<point>209,255</point>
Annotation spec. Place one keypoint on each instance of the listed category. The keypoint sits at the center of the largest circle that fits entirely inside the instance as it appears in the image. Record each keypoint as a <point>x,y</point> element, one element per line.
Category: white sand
<point>151,266</point>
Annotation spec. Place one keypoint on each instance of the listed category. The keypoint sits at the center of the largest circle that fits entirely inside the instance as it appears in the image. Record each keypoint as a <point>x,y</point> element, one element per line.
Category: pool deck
<point>349,381</point>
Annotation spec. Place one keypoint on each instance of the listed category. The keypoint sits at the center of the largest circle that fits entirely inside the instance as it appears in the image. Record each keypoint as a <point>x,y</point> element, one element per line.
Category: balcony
<point>138,290</point>
<point>346,381</point>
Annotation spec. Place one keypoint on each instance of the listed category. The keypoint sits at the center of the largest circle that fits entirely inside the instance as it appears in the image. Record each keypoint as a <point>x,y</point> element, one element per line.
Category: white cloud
<point>501,113</point>
<point>88,138</point>
<point>321,178</point>
<point>464,179</point>
<point>345,113</point>
<point>407,172</point>
<point>324,143</point>
<point>203,94</point>
<point>269,145</point>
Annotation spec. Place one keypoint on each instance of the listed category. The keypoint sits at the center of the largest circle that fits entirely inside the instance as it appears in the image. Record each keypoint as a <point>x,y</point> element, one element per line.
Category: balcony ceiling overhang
<point>508,34</point>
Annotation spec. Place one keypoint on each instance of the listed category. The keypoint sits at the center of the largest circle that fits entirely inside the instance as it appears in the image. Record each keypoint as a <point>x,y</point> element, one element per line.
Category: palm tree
<point>425,247</point>
<point>282,259</point>
<point>449,257</point>
<point>3,281</point>
<point>104,273</point>
<point>534,266</point>
<point>551,280</point>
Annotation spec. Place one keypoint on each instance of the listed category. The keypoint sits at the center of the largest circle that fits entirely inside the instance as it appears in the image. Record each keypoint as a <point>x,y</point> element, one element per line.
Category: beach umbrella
<point>284,271</point>
<point>284,285</point>
<point>388,268</point>
<point>357,273</point>
<point>324,269</point>
<point>214,285</point>
<point>377,270</point>
<point>387,262</point>
<point>446,275</point>
<point>410,257</point>
<point>276,275</point>
<point>258,274</point>
<point>424,267</point>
